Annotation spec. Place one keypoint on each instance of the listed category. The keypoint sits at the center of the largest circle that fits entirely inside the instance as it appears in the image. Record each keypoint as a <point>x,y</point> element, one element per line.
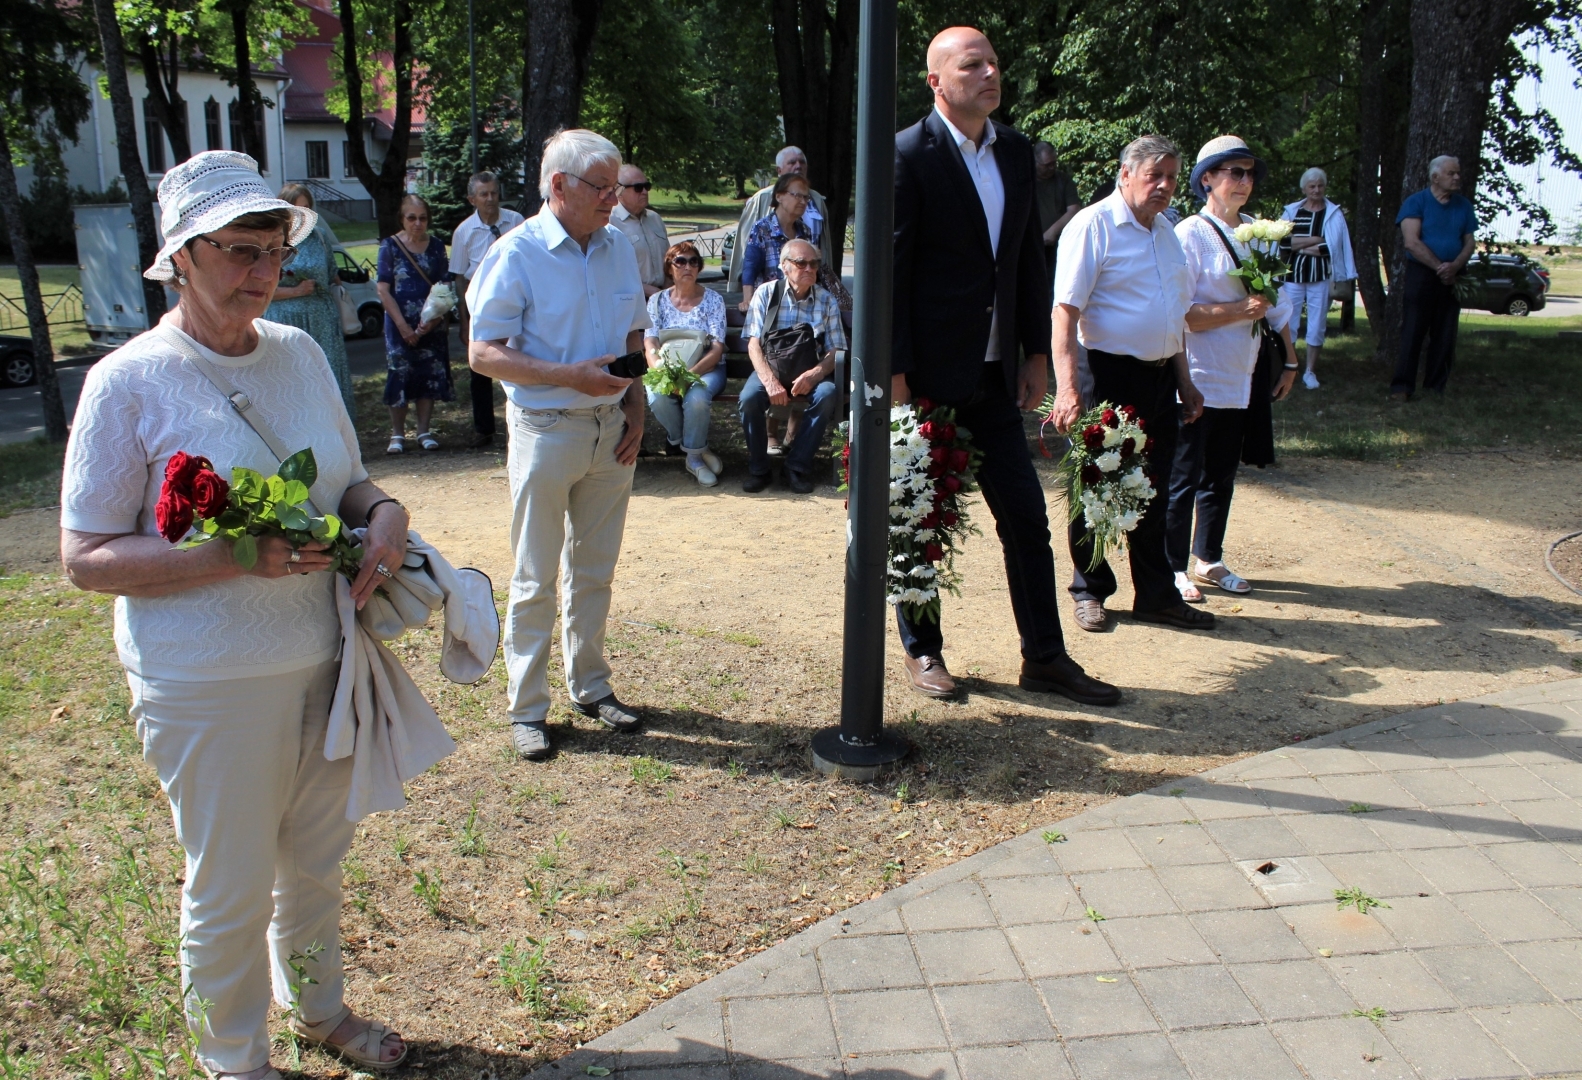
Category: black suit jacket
<point>948,278</point>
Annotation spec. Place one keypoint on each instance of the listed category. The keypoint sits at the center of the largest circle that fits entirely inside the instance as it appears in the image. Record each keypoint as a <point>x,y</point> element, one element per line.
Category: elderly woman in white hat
<point>1320,259</point>
<point>1222,346</point>
<point>232,671</point>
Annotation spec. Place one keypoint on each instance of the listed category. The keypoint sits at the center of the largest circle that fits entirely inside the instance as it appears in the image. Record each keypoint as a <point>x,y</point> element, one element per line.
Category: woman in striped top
<point>1320,256</point>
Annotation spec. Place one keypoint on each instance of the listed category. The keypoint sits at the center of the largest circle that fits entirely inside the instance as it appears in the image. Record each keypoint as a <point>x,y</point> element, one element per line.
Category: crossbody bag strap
<point>1235,259</point>
<point>772,313</point>
<point>412,260</point>
<point>239,401</point>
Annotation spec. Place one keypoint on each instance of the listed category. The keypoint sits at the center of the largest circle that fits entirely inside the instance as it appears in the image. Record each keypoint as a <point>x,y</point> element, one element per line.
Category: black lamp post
<point>472,77</point>
<point>860,747</point>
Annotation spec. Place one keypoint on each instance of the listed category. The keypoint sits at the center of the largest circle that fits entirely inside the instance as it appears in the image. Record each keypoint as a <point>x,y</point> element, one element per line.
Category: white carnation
<point>1109,461</point>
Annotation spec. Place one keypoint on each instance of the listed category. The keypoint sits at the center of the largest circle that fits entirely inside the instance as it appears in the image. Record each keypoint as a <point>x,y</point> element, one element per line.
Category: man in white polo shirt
<point>552,305</point>
<point>468,245</point>
<point>1121,289</point>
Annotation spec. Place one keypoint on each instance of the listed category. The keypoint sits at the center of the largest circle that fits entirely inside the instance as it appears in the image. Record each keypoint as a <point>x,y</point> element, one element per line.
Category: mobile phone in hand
<point>633,365</point>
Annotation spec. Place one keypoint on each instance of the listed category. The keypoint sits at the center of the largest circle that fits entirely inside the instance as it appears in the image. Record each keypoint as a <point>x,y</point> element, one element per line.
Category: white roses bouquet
<point>1263,269</point>
<point>1105,473</point>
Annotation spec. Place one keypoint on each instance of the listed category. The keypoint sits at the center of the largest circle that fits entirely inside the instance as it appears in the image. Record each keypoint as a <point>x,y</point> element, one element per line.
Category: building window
<point>153,137</point>
<point>346,160</point>
<point>318,160</point>
<point>263,134</point>
<point>211,124</point>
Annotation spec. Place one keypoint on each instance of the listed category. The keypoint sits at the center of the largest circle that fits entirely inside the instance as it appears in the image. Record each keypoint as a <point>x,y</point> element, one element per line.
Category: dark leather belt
<point>1126,359</point>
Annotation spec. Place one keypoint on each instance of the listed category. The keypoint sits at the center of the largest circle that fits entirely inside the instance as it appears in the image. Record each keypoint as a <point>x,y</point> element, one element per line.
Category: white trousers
<point>262,817</point>
<point>569,514</point>
<point>1316,296</point>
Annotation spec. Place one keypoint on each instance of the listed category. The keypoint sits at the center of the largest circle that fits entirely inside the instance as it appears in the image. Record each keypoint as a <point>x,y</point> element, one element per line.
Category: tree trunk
<point>1385,84</point>
<point>818,97</point>
<point>132,172</point>
<point>387,184</point>
<point>247,96</point>
<point>1456,47</point>
<point>557,42</point>
<point>32,299</point>
<point>161,75</point>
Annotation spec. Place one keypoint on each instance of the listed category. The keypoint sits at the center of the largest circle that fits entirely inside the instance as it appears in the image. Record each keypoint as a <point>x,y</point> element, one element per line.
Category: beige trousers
<point>262,818</point>
<point>569,515</point>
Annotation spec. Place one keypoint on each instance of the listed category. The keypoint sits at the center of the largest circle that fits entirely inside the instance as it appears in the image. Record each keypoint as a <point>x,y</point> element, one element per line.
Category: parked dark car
<point>1503,284</point>
<point>16,362</point>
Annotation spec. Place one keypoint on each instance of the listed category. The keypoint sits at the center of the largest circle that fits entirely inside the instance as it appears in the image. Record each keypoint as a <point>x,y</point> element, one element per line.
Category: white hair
<point>786,152</point>
<point>574,152</point>
<point>1147,150</point>
<point>1439,163</point>
<point>479,179</point>
<point>1315,173</point>
<point>799,244</point>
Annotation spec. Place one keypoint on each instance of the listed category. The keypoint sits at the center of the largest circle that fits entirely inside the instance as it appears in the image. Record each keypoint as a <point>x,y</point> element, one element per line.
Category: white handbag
<point>350,322</point>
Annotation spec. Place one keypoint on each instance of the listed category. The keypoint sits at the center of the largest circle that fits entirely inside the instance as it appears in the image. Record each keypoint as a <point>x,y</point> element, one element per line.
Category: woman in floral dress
<point>686,305</point>
<point>309,304</point>
<point>411,263</point>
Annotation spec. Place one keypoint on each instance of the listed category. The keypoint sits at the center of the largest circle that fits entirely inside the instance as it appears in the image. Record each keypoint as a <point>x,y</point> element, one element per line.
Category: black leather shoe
<point>799,483</point>
<point>615,716</point>
<point>756,483</point>
<point>531,741</point>
<point>1065,676</point>
<point>1181,617</point>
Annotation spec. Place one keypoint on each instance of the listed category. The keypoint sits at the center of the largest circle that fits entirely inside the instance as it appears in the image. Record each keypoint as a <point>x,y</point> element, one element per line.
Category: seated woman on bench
<point>686,305</point>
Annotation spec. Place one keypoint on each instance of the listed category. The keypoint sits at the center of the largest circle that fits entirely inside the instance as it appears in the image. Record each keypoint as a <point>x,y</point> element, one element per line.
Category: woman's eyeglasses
<point>644,186</point>
<point>249,254</point>
<point>1237,173</point>
<point>415,217</point>
<point>800,196</point>
<point>694,261</point>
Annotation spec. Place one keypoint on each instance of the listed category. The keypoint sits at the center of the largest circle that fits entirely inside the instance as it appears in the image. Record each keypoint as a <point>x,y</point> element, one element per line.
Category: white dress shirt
<point>1222,359</point>
<point>1129,283</point>
<point>648,236</point>
<point>545,296</point>
<point>985,173</point>
<point>472,239</point>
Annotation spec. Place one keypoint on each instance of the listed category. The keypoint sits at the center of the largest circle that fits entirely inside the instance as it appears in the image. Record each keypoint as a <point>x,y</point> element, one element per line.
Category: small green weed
<point>783,819</point>
<point>735,769</point>
<point>647,771</point>
<point>1053,837</point>
<point>891,869</point>
<point>903,792</point>
<point>429,889</point>
<point>755,864</point>
<point>1355,896</point>
<point>1377,1014</point>
<point>1093,914</point>
<point>401,844</point>
<point>1178,791</point>
<point>472,844</point>
<point>1359,808</point>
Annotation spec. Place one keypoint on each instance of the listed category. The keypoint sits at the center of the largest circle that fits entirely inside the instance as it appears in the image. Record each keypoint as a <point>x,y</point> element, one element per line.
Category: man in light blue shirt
<point>1438,230</point>
<point>553,303</point>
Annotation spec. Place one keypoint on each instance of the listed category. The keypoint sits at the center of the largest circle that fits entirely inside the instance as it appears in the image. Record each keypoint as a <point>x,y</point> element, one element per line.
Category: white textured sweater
<point>140,405</point>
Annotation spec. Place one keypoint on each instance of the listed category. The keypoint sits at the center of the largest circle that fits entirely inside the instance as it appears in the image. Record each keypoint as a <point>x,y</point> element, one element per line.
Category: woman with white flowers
<point>1222,345</point>
<point>688,306</point>
<point>1320,258</point>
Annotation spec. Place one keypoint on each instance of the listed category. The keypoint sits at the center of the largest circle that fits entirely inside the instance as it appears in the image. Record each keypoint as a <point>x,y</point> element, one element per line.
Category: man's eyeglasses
<point>694,261</point>
<point>643,187</point>
<point>1236,173</point>
<point>599,190</point>
<point>249,254</point>
<point>805,264</point>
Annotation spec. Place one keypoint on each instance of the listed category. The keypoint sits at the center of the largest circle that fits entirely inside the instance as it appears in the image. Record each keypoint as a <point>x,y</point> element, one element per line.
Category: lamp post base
<point>834,756</point>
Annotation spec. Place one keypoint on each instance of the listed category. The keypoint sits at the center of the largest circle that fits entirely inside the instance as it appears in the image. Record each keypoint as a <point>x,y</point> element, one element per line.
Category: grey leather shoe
<point>615,716</point>
<point>531,741</point>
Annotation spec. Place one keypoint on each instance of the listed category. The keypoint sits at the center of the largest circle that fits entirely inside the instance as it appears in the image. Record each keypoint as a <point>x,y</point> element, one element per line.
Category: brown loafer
<point>928,676</point>
<point>1091,616</point>
<point>1181,617</point>
<point>1065,676</point>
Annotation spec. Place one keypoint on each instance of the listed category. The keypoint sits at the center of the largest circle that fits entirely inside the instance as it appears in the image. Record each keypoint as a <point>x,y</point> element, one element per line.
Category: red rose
<point>1110,419</point>
<point>1148,445</point>
<point>959,460</point>
<point>947,433</point>
<point>1092,474</point>
<point>1128,447</point>
<point>935,470</point>
<point>928,429</point>
<point>922,405</point>
<point>173,514</point>
<point>938,454</point>
<point>1140,425</point>
<point>845,452</point>
<point>182,469</point>
<point>1128,412</point>
<point>210,494</point>
<point>951,517</point>
<point>931,521</point>
<point>1093,437</point>
<point>933,552</point>
<point>949,484</point>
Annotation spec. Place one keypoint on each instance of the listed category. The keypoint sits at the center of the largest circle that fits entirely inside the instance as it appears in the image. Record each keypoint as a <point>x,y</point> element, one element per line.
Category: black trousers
<point>1203,478</point>
<point>482,404</point>
<point>1016,500</point>
<point>1429,314</point>
<point>1151,390</point>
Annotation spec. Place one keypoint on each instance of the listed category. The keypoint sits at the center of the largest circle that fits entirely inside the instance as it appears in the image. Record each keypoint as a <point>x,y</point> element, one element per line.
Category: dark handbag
<point>1257,446</point>
<point>791,351</point>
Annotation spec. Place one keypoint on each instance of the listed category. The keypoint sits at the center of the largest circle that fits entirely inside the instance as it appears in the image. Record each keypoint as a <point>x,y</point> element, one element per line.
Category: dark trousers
<point>1016,500</point>
<point>1203,477</point>
<point>1429,314</point>
<point>1151,390</point>
<point>482,404</point>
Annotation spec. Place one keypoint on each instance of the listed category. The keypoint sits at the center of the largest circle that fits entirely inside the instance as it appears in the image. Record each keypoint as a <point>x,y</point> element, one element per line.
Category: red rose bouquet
<point>931,465</point>
<point>251,505</point>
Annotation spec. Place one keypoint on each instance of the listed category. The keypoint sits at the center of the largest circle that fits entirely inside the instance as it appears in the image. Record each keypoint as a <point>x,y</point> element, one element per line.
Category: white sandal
<point>427,441</point>
<point>397,445</point>
<point>1229,581</point>
<point>362,1049</point>
<point>1190,593</point>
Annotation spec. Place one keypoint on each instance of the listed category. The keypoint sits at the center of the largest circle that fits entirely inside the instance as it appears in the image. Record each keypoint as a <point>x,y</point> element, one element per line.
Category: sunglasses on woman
<point>1237,173</point>
<point>644,186</point>
<point>249,254</point>
<point>693,261</point>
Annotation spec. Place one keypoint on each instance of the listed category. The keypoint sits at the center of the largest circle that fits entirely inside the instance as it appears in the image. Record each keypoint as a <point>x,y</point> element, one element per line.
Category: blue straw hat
<point>1215,153</point>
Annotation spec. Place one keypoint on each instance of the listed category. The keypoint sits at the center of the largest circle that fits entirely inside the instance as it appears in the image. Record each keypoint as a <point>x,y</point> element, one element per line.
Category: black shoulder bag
<point>1257,445</point>
<point>791,351</point>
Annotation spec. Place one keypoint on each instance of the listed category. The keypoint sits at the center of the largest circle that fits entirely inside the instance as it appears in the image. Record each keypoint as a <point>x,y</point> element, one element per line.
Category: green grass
<point>29,475</point>
<point>67,338</point>
<point>350,232</point>
<point>715,210</point>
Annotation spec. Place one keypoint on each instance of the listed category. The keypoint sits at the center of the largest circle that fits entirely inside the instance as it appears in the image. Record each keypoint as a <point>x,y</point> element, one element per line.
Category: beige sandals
<point>362,1049</point>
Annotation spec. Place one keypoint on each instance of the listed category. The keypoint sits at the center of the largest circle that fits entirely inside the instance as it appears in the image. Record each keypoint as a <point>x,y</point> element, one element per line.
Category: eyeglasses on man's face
<point>599,190</point>
<point>642,188</point>
<point>804,264</point>
<point>681,261</point>
<point>249,254</point>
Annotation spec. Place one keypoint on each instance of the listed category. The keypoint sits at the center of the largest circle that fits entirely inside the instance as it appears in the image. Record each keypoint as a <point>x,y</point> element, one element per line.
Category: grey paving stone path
<point>1221,953</point>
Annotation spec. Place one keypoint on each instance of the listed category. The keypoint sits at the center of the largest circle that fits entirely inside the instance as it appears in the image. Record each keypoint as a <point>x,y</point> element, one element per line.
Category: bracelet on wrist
<point>1292,367</point>
<point>368,515</point>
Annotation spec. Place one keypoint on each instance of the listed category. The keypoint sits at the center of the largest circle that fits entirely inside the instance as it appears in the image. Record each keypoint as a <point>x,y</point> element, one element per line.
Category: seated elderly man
<point>793,330</point>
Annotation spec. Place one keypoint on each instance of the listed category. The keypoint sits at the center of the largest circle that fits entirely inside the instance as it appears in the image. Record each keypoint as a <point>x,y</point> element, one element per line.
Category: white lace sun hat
<point>210,190</point>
